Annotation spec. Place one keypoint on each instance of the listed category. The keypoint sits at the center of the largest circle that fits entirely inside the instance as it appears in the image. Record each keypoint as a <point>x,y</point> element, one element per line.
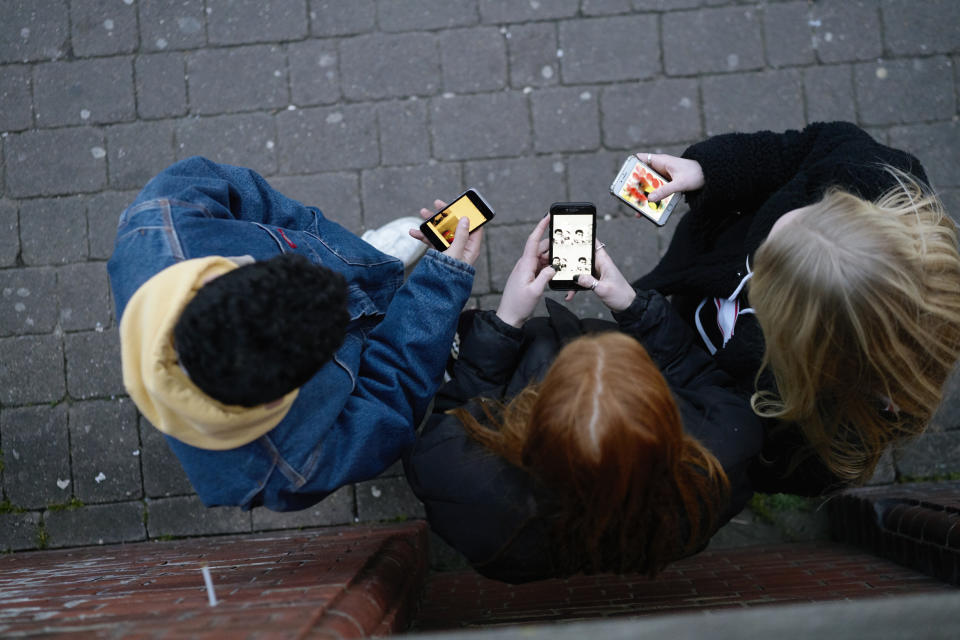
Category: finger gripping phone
<point>573,226</point>
<point>441,227</point>
<point>632,184</point>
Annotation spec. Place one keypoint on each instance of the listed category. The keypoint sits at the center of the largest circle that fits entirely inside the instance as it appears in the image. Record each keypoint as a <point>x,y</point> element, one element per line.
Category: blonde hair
<point>859,303</point>
<point>604,434</point>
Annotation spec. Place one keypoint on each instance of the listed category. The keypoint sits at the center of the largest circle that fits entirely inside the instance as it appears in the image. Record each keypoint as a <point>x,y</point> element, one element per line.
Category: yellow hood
<point>152,374</point>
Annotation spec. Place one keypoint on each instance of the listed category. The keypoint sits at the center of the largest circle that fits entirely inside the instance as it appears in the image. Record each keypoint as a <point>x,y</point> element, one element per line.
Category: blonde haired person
<point>563,446</point>
<point>822,272</point>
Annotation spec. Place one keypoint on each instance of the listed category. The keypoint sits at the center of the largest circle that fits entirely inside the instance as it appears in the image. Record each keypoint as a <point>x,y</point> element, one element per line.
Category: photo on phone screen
<point>572,229</point>
<point>634,182</point>
<point>441,228</point>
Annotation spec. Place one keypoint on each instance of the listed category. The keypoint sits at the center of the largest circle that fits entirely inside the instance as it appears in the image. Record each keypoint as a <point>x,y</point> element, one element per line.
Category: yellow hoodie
<point>152,375</point>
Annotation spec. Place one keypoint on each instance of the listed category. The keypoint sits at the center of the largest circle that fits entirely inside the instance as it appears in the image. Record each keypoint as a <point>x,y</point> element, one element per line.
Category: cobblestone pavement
<point>369,109</point>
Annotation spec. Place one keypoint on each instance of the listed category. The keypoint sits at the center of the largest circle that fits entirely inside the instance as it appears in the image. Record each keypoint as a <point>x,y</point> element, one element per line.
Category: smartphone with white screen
<point>440,228</point>
<point>631,186</point>
<point>573,227</point>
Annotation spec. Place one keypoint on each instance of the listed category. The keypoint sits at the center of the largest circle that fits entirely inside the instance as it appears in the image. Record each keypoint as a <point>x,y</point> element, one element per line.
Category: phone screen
<point>571,243</point>
<point>641,181</point>
<point>443,225</point>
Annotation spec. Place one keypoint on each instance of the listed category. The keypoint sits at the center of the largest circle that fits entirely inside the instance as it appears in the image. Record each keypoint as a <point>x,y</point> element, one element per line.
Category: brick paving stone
<point>161,85</point>
<point>896,91</point>
<point>84,293</point>
<point>9,233</point>
<point>328,139</point>
<point>390,192</point>
<point>171,25</point>
<point>57,161</point>
<point>788,37</point>
<point>604,7</point>
<point>532,50</point>
<point>84,92</point>
<point>938,147</point>
<point>103,214</point>
<point>246,140</point>
<point>424,15</point>
<point>53,231</point>
<point>630,118</point>
<point>36,456</point>
<point>500,126</point>
<point>387,499</point>
<point>588,179</point>
<point>519,190</point>
<point>596,49</point>
<point>886,472</point>
<point>188,517</point>
<point>337,508</point>
<point>753,101</point>
<point>663,5</point>
<point>566,119</point>
<point>18,531</point>
<point>95,524</point>
<point>162,474</point>
<point>847,31</point>
<point>404,136</point>
<point>32,370</point>
<point>138,151</point>
<point>103,27</point>
<point>237,79</point>
<point>498,11</point>
<point>16,111</point>
<point>243,21</point>
<point>473,60</point>
<point>935,453</point>
<point>389,66</point>
<point>947,416</point>
<point>911,28</point>
<point>33,30</point>
<point>505,244</point>
<point>829,92</point>
<point>314,75</point>
<point>105,451</point>
<point>28,301</point>
<point>93,363</point>
<point>712,41</point>
<point>337,195</point>
<point>335,18</point>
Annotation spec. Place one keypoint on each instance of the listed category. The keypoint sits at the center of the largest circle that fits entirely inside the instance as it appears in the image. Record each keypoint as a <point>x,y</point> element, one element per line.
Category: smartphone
<point>573,226</point>
<point>442,226</point>
<point>635,180</point>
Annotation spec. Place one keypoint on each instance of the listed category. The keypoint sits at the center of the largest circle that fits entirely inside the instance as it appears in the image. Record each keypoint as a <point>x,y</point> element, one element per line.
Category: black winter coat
<point>750,181</point>
<point>495,513</point>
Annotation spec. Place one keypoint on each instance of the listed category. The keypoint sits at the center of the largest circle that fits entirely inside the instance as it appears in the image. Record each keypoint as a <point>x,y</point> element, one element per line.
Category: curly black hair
<point>260,331</point>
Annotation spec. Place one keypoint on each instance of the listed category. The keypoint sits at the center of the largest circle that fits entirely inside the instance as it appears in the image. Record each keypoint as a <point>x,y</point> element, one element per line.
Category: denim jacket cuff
<point>451,263</point>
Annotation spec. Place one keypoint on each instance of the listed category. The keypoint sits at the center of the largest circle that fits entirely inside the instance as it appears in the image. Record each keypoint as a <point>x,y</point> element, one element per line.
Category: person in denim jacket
<point>198,233</point>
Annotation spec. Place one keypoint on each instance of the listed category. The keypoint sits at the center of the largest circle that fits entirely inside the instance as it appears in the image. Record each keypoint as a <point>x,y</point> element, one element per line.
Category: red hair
<point>603,433</point>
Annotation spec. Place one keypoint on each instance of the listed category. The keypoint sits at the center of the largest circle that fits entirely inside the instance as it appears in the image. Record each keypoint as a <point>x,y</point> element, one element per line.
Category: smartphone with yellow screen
<point>440,228</point>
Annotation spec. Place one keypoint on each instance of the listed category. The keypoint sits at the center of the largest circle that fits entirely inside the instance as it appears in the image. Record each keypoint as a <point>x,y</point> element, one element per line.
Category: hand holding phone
<point>611,287</point>
<point>440,228</point>
<point>638,185</point>
<point>573,227</point>
<point>526,282</point>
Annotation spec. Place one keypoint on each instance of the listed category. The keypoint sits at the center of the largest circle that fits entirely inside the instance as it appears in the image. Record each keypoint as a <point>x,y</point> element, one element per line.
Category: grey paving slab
<point>847,30</point>
<point>404,135</point>
<point>588,180</point>
<point>934,454</point>
<point>391,192</point>
<point>498,11</point>
<point>33,30</point>
<point>920,28</point>
<point>712,40</point>
<point>95,524</point>
<point>103,213</point>
<point>19,530</point>
<point>566,119</point>
<point>337,508</point>
<point>387,499</point>
<point>389,66</point>
<point>328,138</point>
<point>28,301</point>
<point>103,27</point>
<point>246,140</point>
<point>753,101</point>
<point>947,417</point>
<point>93,363</point>
<point>829,93</point>
<point>32,370</point>
<point>83,292</point>
<point>788,35</point>
<point>314,72</point>
<point>938,147</point>
<point>84,92</point>
<point>237,79</point>
<point>9,233</point>
<point>47,162</point>
<point>897,91</point>
<point>520,189</point>
<point>36,456</point>
<point>53,231</point>
<point>171,25</point>
<point>105,451</point>
<point>472,60</point>
<point>162,474</point>
<point>533,55</point>
<point>653,112</point>
<point>138,151</point>
<point>500,125</point>
<point>609,49</point>
<point>16,111</point>
<point>186,516</point>
<point>336,18</point>
<point>243,21</point>
<point>419,15</point>
<point>886,471</point>
<point>161,85</point>
<point>604,7</point>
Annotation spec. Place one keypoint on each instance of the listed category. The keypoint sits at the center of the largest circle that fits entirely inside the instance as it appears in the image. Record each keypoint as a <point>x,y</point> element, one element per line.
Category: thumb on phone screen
<point>456,248</point>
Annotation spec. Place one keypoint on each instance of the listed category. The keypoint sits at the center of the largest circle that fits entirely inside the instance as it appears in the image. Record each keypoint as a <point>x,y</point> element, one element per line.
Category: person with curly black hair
<point>281,356</point>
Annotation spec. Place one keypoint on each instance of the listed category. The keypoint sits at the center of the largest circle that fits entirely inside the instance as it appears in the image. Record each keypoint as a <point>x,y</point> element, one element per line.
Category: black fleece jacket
<point>495,513</point>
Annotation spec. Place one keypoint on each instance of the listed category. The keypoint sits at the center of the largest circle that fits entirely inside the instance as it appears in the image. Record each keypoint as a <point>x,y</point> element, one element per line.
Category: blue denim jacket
<point>357,414</point>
